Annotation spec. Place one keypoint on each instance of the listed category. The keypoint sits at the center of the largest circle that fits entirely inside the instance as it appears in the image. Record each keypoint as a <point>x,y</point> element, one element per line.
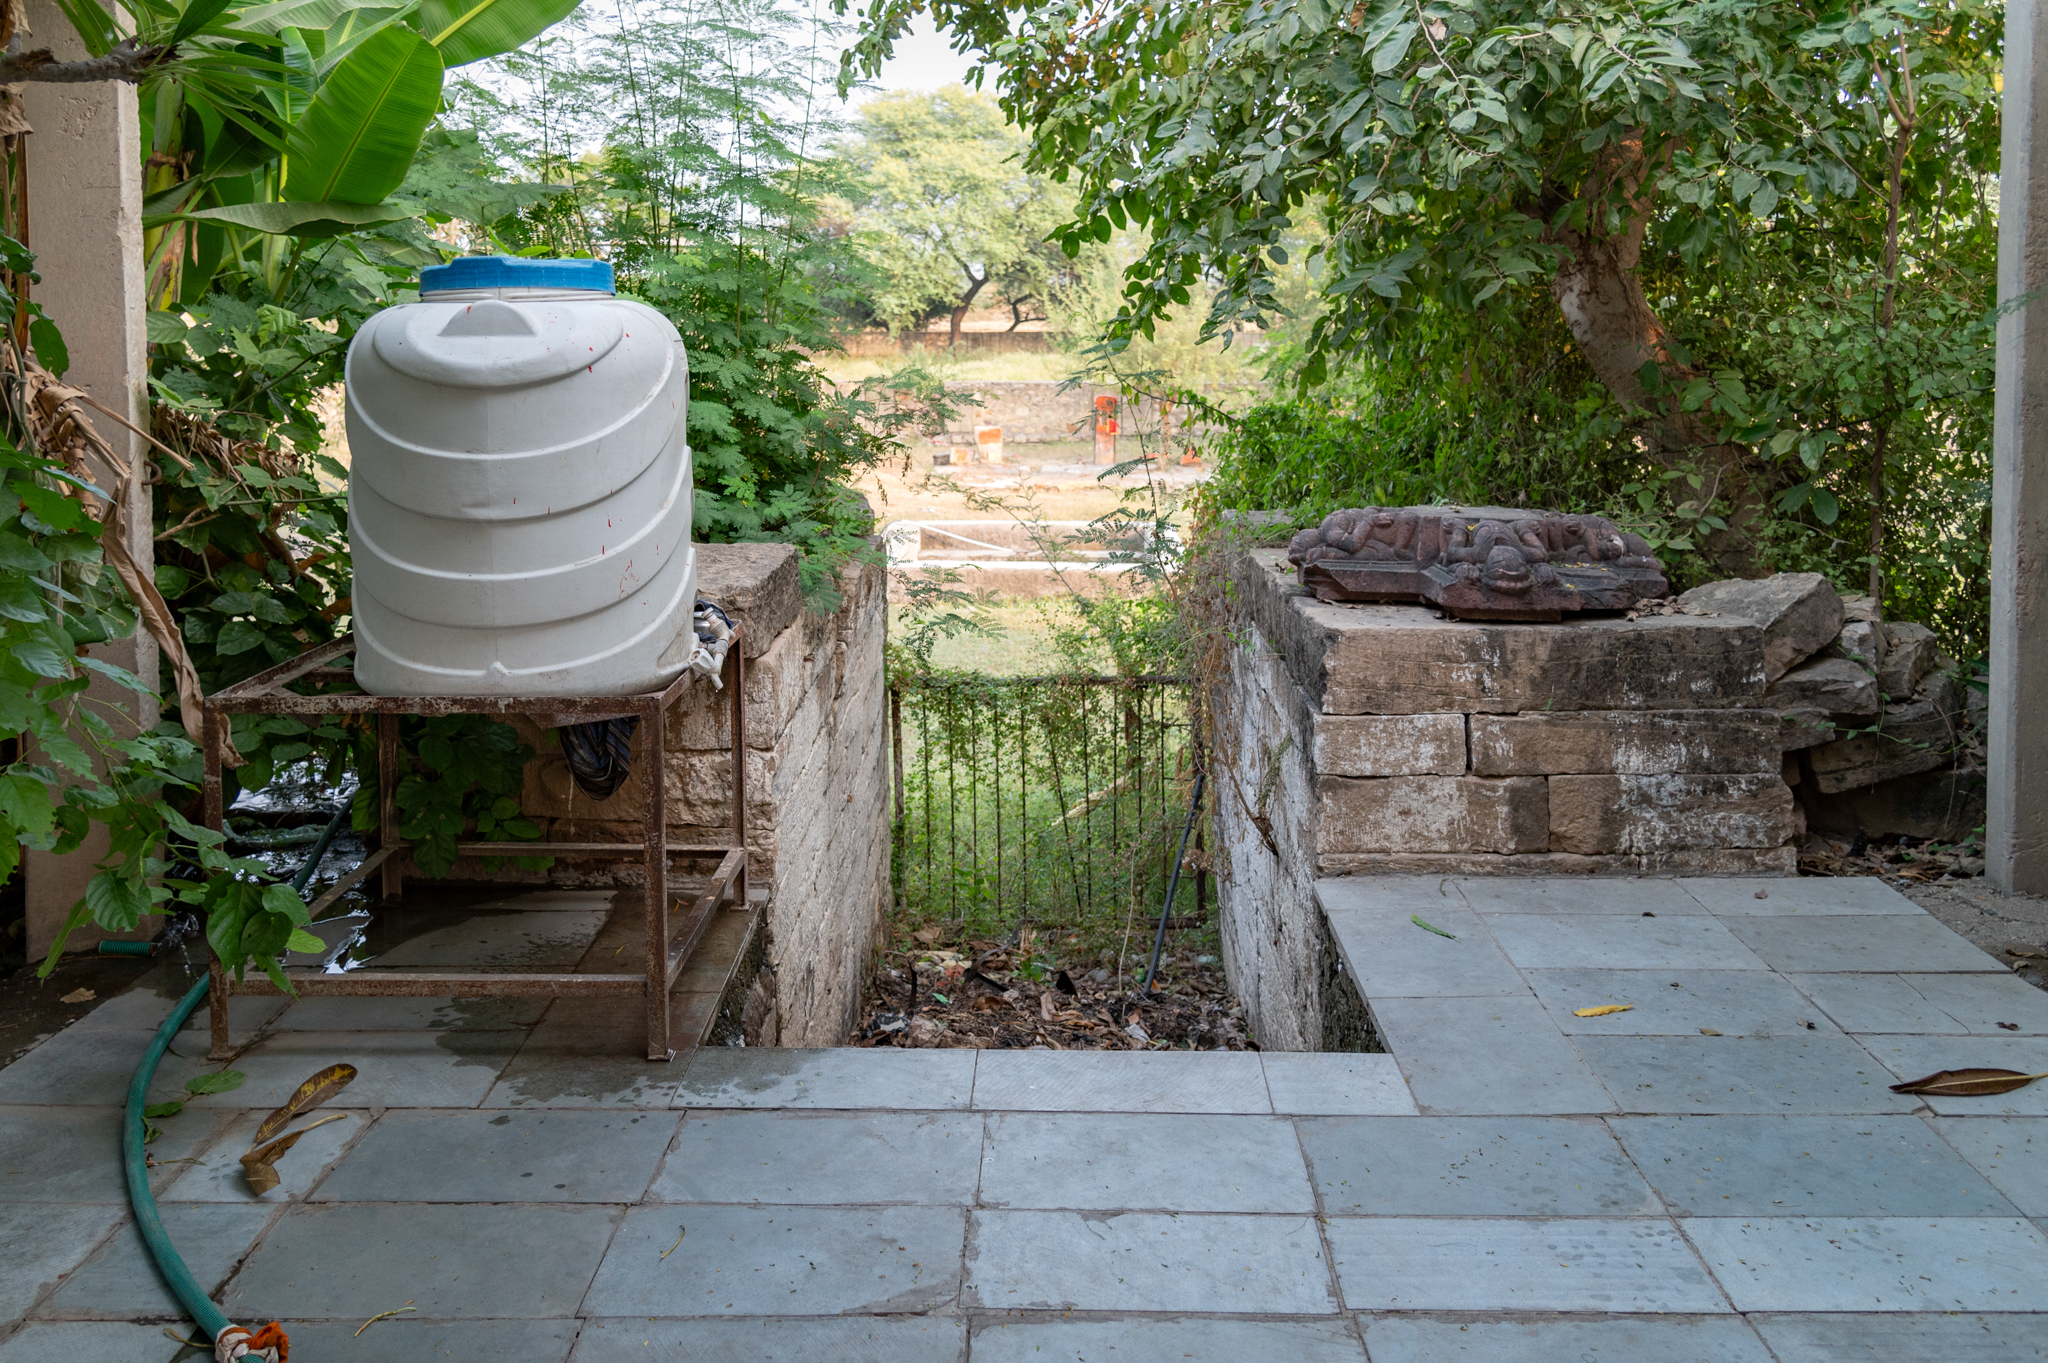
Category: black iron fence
<point>1053,801</point>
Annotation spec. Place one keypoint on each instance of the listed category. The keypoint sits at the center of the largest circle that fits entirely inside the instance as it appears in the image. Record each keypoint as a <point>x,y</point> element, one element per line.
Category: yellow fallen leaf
<point>1602,1011</point>
<point>1708,1031</point>
<point>79,996</point>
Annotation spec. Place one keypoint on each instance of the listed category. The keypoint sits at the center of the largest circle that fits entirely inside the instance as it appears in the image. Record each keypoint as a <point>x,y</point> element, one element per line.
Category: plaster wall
<point>85,226</point>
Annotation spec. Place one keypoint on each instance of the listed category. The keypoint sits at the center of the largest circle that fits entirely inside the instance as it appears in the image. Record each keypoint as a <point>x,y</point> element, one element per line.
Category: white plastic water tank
<point>520,487</point>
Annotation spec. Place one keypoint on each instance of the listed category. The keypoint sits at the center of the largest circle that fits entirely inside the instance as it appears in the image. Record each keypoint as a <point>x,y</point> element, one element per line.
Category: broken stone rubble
<point>1918,735</point>
<point>1909,655</point>
<point>1798,613</point>
<point>1859,712</point>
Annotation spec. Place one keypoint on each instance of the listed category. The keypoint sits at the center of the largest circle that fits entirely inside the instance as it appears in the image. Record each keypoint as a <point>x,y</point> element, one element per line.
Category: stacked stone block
<point>1592,746</point>
<point>1367,739</point>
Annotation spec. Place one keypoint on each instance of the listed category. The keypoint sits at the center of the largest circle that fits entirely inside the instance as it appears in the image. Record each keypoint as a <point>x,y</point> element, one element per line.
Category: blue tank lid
<point>517,272</point>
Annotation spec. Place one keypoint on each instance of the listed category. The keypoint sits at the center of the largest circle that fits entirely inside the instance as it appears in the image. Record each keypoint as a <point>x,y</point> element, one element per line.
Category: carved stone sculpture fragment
<point>1478,563</point>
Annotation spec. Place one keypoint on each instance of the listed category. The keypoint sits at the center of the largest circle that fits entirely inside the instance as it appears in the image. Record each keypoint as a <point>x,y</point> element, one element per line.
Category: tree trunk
<point>966,302</point>
<point>1599,289</point>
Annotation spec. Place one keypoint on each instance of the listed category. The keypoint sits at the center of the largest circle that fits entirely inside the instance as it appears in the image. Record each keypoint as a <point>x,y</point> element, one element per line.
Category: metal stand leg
<point>653,785</point>
<point>737,658</point>
<point>213,813</point>
<point>387,805</point>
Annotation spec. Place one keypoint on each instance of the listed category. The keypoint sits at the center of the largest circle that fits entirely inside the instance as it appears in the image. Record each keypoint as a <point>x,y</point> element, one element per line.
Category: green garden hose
<point>230,1341</point>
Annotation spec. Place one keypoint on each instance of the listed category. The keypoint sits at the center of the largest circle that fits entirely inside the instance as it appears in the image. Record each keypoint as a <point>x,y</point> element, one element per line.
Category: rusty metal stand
<point>669,944</point>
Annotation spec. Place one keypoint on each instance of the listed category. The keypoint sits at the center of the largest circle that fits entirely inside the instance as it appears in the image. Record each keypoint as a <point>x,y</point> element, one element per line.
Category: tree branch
<point>127,61</point>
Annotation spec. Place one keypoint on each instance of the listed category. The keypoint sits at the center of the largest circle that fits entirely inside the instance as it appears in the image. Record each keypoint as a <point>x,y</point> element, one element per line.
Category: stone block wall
<point>817,787</point>
<point>1385,739</point>
<point>1593,746</point>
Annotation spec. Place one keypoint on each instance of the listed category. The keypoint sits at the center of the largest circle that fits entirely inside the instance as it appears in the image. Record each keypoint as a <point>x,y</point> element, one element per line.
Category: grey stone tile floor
<point>1719,1173</point>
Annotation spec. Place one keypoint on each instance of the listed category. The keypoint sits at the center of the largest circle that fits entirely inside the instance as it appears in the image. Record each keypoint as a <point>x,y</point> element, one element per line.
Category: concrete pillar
<point>85,226</point>
<point>2017,828</point>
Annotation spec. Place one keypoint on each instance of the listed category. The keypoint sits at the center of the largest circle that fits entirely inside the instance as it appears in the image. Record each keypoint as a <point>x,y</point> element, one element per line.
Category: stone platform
<point>1706,1176</point>
<point>1359,739</point>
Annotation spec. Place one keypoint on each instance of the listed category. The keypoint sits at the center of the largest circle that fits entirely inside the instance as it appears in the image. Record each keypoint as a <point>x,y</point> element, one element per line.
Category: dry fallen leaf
<point>928,935</point>
<point>259,1166</point>
<point>317,1089</point>
<point>395,1311</point>
<point>2010,1026</point>
<point>1602,1011</point>
<point>79,996</point>
<point>1973,1083</point>
<point>1708,1031</point>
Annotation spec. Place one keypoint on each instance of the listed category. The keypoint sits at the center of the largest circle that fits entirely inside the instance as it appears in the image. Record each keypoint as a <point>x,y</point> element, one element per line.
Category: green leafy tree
<point>946,209</point>
<point>685,140</point>
<point>1460,151</point>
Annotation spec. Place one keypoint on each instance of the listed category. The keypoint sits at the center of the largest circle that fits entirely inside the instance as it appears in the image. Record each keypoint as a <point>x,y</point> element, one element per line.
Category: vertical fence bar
<point>996,793</point>
<point>1115,777</point>
<point>974,794</point>
<point>952,729</point>
<point>924,764</point>
<point>899,834</point>
<point>1087,788</point>
<point>1059,795</point>
<point>1023,816</point>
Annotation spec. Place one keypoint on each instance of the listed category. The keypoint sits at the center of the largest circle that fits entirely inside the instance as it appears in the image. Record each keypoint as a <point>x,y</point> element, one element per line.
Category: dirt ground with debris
<point>935,990</point>
<point>1948,883</point>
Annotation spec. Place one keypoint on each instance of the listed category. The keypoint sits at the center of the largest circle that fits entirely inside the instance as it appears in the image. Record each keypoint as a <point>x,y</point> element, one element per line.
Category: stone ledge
<point>756,583</point>
<point>1406,660</point>
<point>1713,861</point>
<point>1633,815</point>
<point>1624,742</point>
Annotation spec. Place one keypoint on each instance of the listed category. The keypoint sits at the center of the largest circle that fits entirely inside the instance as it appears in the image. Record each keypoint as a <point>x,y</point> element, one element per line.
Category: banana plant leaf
<point>198,14</point>
<point>315,14</point>
<point>349,32</point>
<point>355,142</point>
<point>470,30</point>
<point>296,219</point>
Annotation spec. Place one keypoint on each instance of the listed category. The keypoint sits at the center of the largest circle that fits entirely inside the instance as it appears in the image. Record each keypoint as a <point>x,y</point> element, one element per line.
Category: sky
<point>923,61</point>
